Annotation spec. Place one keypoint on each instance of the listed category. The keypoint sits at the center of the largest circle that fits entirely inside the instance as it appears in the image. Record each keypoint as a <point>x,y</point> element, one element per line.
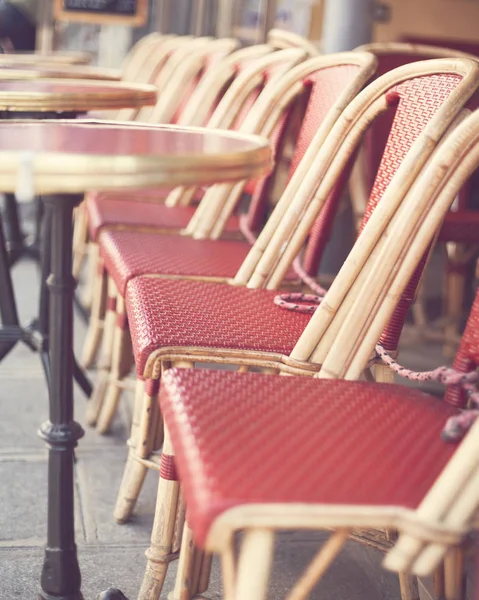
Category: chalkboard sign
<point>126,12</point>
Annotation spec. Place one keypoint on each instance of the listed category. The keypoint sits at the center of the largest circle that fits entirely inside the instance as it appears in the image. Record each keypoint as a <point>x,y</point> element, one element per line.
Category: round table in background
<point>55,58</point>
<point>62,160</point>
<point>58,71</point>
<point>48,99</point>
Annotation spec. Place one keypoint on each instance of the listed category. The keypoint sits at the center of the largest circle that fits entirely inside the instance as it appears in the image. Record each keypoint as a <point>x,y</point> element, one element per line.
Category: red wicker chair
<point>126,255</point>
<point>185,322</point>
<point>357,454</point>
<point>124,212</point>
<point>460,229</point>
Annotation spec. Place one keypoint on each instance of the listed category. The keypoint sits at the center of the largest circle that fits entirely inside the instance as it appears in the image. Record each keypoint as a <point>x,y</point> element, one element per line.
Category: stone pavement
<point>110,554</point>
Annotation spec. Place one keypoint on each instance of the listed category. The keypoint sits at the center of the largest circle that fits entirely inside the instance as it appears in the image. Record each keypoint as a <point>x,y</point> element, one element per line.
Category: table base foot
<point>111,594</point>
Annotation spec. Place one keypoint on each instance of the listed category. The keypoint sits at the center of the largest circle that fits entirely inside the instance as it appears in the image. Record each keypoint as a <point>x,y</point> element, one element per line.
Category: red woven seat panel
<point>128,254</point>
<point>181,313</point>
<point>467,357</point>
<point>325,87</point>
<point>297,439</point>
<point>417,102</point>
<point>115,210</point>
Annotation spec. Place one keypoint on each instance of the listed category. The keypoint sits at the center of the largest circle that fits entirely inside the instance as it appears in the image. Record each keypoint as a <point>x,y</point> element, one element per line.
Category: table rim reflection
<point>64,172</point>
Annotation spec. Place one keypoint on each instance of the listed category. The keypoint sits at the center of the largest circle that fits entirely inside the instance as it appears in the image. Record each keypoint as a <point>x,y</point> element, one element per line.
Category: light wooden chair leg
<point>92,266</point>
<point>382,373</point>
<point>454,575</point>
<point>104,362</point>
<point>189,568</point>
<point>438,582</point>
<point>160,552</point>
<point>121,364</point>
<point>97,318</point>
<point>455,284</point>
<point>408,586</point>
<point>318,565</point>
<point>80,239</point>
<point>146,420</point>
<point>254,565</point>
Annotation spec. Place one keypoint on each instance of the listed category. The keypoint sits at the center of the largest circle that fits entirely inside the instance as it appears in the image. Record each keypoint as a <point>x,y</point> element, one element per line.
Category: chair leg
<point>104,362</point>
<point>161,553</point>
<point>97,318</point>
<point>121,364</point>
<point>80,239</point>
<point>408,586</point>
<point>454,580</point>
<point>146,421</point>
<point>382,373</point>
<point>93,257</point>
<point>254,565</point>
<point>455,285</point>
<point>194,569</point>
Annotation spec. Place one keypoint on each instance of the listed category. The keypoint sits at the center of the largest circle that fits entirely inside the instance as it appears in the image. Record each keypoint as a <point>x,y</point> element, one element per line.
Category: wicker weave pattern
<point>467,357</point>
<point>182,313</point>
<point>325,87</point>
<point>354,443</point>
<point>114,211</point>
<point>127,254</point>
<point>417,101</point>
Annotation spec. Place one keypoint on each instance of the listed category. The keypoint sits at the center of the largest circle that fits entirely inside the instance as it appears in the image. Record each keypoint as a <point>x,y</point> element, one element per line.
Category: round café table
<point>57,71</point>
<point>43,99</point>
<point>55,58</point>
<point>61,160</point>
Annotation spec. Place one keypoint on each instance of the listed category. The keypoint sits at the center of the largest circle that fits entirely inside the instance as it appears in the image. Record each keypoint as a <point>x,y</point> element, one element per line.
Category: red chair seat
<point>174,312</point>
<point>461,227</point>
<point>115,210</point>
<point>129,254</point>
<point>245,438</point>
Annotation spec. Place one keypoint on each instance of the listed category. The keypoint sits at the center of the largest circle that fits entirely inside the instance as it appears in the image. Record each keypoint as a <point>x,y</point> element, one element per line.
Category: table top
<point>32,58</point>
<point>39,71</point>
<point>70,95</point>
<point>60,156</point>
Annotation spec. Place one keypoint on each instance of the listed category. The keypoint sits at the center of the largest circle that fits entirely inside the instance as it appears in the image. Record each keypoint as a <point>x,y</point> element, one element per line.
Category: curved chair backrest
<point>214,83</point>
<point>138,54</point>
<point>426,97</point>
<point>328,80</point>
<point>238,100</point>
<point>154,64</point>
<point>281,39</point>
<point>186,71</point>
<point>390,56</point>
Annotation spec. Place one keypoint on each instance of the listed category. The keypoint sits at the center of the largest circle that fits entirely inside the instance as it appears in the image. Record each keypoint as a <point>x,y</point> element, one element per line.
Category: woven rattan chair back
<point>426,98</point>
<point>330,82</point>
<point>281,39</point>
<point>453,163</point>
<point>372,265</point>
<point>390,56</point>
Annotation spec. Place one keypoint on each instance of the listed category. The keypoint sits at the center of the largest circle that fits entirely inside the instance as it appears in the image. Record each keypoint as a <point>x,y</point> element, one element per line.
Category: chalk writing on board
<point>123,7</point>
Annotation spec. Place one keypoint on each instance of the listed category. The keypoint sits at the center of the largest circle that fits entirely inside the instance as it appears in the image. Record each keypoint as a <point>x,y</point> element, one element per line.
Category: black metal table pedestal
<point>61,579</point>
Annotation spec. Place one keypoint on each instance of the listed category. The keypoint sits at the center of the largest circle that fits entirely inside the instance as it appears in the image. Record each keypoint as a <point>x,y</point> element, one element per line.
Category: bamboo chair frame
<point>202,100</point>
<point>184,69</point>
<point>281,39</point>
<point>264,110</point>
<point>234,99</point>
<point>449,510</point>
<point>138,54</point>
<point>220,201</point>
<point>456,253</point>
<point>345,134</point>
